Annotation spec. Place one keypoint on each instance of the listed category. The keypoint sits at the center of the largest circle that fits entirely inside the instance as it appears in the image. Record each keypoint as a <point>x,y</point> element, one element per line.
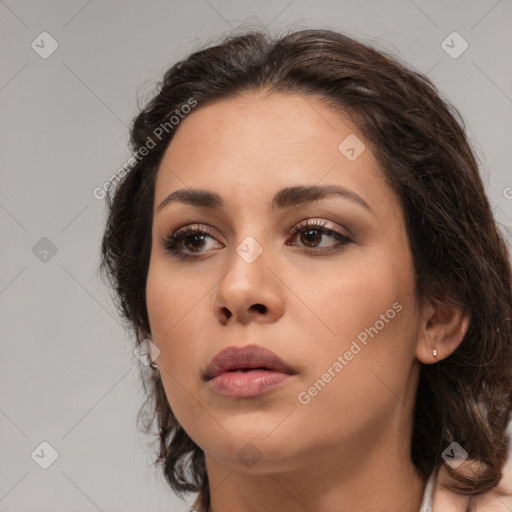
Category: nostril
<point>227,312</point>
<point>259,307</point>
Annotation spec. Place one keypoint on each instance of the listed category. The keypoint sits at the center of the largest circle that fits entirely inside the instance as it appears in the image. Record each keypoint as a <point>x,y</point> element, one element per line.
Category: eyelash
<point>172,239</point>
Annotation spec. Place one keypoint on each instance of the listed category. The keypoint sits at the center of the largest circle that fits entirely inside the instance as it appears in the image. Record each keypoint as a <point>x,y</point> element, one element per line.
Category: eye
<point>192,241</point>
<point>312,233</point>
<point>187,241</point>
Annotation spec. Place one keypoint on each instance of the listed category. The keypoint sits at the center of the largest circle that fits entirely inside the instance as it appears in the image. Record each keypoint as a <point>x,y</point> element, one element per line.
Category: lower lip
<point>247,384</point>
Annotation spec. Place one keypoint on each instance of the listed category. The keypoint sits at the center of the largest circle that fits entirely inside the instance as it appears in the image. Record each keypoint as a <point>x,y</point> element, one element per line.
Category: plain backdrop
<point>68,376</point>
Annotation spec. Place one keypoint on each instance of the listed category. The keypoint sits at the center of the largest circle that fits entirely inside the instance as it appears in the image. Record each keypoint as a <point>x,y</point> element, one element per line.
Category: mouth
<point>244,372</point>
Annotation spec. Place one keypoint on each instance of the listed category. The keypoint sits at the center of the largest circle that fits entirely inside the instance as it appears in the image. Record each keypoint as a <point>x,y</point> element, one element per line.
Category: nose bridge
<point>247,286</point>
<point>246,268</point>
<point>251,246</point>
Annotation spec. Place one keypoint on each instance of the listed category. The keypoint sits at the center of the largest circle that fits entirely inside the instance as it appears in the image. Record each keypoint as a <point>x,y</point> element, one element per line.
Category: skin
<point>354,435</point>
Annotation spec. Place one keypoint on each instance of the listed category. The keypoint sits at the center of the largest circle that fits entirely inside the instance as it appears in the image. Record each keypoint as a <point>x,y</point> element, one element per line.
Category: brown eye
<point>312,234</point>
<point>186,242</point>
<point>311,237</point>
<point>194,242</point>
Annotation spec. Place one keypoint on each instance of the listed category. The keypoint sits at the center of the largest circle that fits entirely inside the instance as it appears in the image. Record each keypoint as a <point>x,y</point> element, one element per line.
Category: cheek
<point>173,295</point>
<point>174,305</point>
<point>370,309</point>
<point>173,310</point>
<point>358,292</point>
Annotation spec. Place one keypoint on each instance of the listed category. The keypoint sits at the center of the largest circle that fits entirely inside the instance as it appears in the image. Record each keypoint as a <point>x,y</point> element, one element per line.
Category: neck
<point>378,478</point>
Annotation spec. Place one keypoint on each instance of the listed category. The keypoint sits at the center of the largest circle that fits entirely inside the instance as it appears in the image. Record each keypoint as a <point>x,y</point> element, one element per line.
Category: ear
<point>442,329</point>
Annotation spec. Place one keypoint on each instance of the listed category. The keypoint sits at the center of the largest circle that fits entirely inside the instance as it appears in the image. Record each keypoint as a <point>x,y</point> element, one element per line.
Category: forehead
<point>249,146</point>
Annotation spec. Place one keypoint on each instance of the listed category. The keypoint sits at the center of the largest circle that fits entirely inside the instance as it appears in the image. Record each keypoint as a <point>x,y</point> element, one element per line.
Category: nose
<point>248,292</point>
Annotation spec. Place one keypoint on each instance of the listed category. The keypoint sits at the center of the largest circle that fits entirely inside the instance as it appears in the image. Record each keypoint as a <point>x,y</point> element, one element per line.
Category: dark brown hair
<point>459,255</point>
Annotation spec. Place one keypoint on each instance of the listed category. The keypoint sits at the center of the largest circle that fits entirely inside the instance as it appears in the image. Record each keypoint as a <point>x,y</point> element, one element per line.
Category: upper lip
<point>249,356</point>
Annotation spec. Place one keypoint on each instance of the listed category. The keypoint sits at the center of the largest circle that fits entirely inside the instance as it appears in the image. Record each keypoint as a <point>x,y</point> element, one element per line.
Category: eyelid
<point>321,223</point>
<point>191,227</point>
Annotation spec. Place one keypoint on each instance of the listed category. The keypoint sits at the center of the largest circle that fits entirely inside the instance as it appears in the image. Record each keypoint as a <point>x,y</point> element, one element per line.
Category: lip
<point>244,372</point>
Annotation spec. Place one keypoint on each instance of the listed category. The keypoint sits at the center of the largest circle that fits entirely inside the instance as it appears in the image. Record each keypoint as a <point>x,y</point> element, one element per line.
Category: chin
<point>258,455</point>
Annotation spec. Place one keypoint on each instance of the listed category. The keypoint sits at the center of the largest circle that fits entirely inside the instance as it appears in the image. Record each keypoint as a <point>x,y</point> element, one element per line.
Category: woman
<point>304,242</point>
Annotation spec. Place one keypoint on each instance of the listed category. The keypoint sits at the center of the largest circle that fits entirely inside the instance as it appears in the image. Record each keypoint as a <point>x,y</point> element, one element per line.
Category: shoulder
<point>498,499</point>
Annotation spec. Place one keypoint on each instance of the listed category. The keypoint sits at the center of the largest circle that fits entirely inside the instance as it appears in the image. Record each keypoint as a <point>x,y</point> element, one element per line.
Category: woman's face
<point>335,301</point>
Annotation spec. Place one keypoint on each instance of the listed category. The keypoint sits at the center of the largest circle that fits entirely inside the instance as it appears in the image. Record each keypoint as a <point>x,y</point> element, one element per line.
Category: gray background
<point>68,374</point>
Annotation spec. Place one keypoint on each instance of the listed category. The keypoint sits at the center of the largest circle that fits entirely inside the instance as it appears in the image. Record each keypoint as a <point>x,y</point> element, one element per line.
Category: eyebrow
<point>284,198</point>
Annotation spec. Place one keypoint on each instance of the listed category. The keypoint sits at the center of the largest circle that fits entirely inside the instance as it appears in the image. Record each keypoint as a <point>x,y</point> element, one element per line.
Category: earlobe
<point>443,330</point>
